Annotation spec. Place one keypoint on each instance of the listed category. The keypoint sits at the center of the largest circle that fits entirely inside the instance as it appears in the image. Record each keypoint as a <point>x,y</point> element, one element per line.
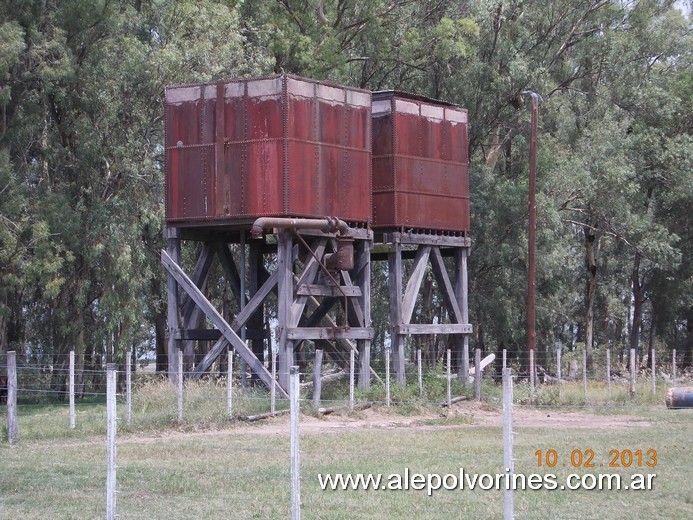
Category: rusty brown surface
<point>291,147</point>
<point>420,164</point>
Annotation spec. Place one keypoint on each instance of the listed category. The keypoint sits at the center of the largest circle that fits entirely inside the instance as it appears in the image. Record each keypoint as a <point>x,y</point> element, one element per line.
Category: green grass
<point>213,467</point>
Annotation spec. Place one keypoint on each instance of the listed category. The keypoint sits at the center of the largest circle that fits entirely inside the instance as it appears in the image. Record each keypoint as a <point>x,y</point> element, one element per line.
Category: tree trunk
<point>688,354</point>
<point>591,253</point>
<point>637,291</point>
<point>161,344</point>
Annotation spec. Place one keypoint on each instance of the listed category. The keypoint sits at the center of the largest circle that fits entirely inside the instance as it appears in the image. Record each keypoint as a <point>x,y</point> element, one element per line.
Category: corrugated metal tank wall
<point>420,164</point>
<point>275,146</point>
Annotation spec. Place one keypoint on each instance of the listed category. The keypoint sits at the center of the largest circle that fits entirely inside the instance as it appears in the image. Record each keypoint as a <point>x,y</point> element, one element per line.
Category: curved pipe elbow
<point>327,225</point>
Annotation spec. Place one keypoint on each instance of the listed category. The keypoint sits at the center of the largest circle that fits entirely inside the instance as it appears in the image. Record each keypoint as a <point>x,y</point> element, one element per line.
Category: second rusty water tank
<point>420,164</point>
<point>274,146</point>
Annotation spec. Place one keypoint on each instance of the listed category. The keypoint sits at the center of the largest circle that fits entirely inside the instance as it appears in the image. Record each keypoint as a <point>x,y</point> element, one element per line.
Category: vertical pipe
<point>508,464</point>
<point>584,375</point>
<point>12,428</point>
<point>654,372</point>
<point>387,377</point>
<point>72,389</point>
<point>229,382</point>
<point>449,378</point>
<point>532,231</point>
<point>351,380</point>
<point>128,388</point>
<point>477,374</point>
<point>419,371</point>
<point>505,359</point>
<point>673,365</point>
<point>608,373</point>
<point>180,386</point>
<point>110,442</point>
<point>632,373</point>
<point>317,381</point>
<point>295,446</point>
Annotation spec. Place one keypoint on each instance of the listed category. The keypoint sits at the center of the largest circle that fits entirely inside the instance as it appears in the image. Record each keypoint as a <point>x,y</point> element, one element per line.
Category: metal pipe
<point>681,397</point>
<point>326,225</point>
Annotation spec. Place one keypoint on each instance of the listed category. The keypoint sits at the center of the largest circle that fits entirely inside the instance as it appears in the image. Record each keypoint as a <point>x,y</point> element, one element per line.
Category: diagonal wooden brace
<point>240,320</point>
<point>219,322</point>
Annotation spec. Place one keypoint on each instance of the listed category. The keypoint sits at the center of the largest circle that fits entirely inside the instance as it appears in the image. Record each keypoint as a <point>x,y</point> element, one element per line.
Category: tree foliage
<point>81,136</point>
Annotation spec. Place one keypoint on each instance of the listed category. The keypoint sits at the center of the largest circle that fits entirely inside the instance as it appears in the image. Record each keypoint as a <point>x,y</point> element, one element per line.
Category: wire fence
<point>178,458</point>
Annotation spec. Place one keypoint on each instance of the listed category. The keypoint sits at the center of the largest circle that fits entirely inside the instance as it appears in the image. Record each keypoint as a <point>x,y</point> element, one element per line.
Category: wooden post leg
<point>395,274</point>
<point>285,300</point>
<point>173,251</point>
<point>365,345</point>
<point>461,290</point>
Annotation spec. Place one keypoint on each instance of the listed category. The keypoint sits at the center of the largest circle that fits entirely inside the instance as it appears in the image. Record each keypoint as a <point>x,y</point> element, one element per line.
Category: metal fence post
<point>673,366</point>
<point>508,463</point>
<point>295,445</point>
<point>110,442</point>
<point>558,370</point>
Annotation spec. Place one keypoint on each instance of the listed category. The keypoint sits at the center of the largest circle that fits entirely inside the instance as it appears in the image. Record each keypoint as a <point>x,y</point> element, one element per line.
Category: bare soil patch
<point>462,415</point>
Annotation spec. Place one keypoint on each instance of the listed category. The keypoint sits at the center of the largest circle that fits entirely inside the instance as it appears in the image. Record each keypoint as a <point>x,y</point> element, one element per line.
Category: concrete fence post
<point>110,442</point>
<point>317,374</point>
<point>295,444</point>
<point>508,463</point>
<point>72,389</point>
<point>12,428</point>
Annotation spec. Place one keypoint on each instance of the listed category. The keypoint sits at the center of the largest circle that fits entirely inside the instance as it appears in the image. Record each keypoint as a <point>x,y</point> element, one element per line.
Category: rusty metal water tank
<point>273,146</point>
<point>420,164</point>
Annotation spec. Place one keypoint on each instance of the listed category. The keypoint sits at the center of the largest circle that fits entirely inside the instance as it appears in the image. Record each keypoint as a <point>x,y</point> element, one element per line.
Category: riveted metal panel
<point>290,147</point>
<point>420,164</point>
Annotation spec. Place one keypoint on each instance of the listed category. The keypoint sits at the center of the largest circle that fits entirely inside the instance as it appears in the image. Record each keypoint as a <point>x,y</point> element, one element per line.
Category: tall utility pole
<point>532,231</point>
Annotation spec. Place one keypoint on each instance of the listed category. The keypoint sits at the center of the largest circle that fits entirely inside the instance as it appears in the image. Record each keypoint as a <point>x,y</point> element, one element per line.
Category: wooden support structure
<point>405,284</point>
<point>330,309</point>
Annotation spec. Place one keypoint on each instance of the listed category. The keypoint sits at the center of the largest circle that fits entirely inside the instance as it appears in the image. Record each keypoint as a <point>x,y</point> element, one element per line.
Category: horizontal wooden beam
<point>433,328</point>
<point>214,334</point>
<point>427,240</point>
<point>197,334</point>
<point>328,290</point>
<point>330,333</point>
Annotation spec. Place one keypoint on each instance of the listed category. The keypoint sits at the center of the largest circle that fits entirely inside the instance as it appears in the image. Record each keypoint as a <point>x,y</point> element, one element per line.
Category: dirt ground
<point>462,415</point>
